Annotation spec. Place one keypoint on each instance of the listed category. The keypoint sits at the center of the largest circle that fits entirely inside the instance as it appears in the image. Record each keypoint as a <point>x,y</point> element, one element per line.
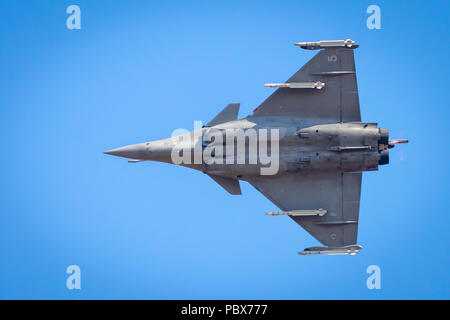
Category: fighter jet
<point>304,148</point>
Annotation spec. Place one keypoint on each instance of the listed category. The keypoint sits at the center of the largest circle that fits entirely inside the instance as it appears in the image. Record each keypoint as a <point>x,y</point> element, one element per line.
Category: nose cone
<point>134,151</point>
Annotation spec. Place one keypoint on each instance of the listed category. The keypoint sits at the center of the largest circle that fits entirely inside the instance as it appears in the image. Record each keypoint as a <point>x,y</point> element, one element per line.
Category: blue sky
<point>136,71</point>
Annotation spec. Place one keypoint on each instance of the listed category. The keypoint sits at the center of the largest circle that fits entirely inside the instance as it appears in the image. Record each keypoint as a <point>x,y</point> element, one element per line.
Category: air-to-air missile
<point>327,44</point>
<point>351,250</point>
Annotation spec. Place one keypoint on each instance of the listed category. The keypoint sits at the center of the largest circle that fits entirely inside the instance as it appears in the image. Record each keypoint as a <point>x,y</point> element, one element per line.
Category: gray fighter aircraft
<point>323,148</point>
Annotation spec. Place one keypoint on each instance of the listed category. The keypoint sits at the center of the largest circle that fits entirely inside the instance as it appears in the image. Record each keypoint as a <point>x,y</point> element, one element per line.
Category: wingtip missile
<point>346,250</point>
<point>349,43</point>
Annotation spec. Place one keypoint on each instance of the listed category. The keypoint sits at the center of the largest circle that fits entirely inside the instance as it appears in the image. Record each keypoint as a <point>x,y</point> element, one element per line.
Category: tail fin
<point>230,113</point>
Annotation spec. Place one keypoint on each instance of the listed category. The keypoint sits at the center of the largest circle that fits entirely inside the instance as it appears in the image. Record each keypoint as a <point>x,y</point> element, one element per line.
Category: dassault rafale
<point>304,148</point>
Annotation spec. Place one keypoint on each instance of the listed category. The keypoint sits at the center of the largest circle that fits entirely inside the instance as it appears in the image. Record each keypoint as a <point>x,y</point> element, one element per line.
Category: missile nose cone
<point>134,151</point>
